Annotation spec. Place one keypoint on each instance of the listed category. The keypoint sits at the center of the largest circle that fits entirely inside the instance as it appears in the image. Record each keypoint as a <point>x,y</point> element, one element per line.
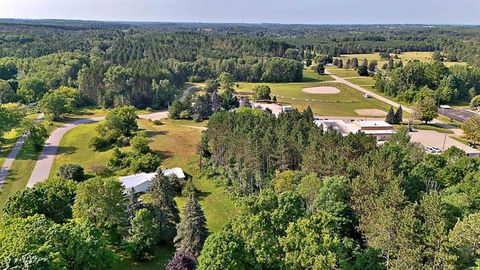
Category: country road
<point>45,162</point>
<point>372,94</point>
<point>7,165</point>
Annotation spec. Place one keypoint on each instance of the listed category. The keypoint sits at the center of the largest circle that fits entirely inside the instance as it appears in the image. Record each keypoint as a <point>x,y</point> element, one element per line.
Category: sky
<point>251,11</point>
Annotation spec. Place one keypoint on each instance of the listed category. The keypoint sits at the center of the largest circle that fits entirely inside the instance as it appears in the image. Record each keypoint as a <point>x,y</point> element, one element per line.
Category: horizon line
<point>238,23</point>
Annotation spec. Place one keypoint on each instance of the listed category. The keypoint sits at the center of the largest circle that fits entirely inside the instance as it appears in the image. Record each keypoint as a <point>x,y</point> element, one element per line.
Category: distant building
<point>141,182</point>
<point>287,108</point>
<point>381,130</point>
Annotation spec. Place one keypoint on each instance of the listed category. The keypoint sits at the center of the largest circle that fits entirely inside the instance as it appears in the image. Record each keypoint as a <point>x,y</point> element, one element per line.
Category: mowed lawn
<point>309,75</point>
<point>342,72</point>
<point>175,141</point>
<point>342,104</point>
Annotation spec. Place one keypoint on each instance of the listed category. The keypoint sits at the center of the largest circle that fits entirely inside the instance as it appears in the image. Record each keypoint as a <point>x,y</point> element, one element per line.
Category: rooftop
<point>372,123</point>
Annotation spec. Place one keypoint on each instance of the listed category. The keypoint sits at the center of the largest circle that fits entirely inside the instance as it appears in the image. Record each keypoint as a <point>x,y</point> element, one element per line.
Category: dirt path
<point>7,165</point>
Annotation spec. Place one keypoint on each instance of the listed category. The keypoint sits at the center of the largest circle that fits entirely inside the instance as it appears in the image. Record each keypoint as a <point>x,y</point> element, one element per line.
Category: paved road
<point>7,165</point>
<point>372,94</point>
<point>459,115</point>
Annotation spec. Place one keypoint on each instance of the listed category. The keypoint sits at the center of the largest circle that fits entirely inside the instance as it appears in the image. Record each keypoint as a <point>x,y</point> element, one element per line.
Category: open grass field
<point>74,149</point>
<point>342,104</point>
<point>343,73</point>
<point>362,81</point>
<point>310,75</point>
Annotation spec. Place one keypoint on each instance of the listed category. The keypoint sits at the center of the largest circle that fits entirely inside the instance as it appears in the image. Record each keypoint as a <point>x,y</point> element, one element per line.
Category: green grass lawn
<point>22,167</point>
<point>433,127</point>
<point>341,72</point>
<point>175,141</point>
<point>9,140</point>
<point>362,81</point>
<point>342,104</point>
<point>310,75</point>
<point>74,148</point>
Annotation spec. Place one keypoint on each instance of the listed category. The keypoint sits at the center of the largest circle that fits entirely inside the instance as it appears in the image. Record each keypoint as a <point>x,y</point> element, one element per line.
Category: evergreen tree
<point>390,116</point>
<point>320,69</point>
<point>354,64</point>
<point>181,261</point>
<point>347,64</point>
<point>192,230</point>
<point>165,206</point>
<point>399,115</point>
<point>142,234</point>
<point>340,63</point>
<point>133,205</point>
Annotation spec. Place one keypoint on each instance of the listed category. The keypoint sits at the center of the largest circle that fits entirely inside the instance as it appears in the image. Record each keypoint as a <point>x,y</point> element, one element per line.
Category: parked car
<point>432,150</point>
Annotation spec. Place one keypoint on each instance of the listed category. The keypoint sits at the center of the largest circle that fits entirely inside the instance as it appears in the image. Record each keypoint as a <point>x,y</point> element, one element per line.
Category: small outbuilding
<point>141,182</point>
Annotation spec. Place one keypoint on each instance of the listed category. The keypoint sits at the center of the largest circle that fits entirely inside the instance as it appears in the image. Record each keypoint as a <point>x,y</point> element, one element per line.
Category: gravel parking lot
<point>440,140</point>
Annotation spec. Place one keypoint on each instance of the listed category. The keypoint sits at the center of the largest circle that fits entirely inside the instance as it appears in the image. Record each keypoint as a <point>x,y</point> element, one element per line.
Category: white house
<point>141,182</point>
<point>381,130</point>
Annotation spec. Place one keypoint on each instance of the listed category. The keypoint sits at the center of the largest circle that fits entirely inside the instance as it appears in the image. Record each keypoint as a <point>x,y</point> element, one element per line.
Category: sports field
<point>342,104</point>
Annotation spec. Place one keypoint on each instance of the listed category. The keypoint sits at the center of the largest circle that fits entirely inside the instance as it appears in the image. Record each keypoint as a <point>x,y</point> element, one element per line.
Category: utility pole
<point>444,141</point>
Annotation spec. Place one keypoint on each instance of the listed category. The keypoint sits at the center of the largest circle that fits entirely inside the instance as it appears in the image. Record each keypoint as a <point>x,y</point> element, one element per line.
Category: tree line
<point>313,199</point>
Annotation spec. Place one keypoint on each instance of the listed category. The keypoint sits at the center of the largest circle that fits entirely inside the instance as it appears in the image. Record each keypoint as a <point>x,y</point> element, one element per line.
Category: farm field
<point>342,104</point>
<point>405,57</point>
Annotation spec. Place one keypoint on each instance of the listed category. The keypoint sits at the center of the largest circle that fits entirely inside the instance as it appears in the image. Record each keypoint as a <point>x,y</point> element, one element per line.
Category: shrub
<point>139,143</point>
<point>184,114</point>
<point>157,122</point>
<point>73,172</point>
<point>475,102</point>
<point>101,170</point>
<point>144,163</point>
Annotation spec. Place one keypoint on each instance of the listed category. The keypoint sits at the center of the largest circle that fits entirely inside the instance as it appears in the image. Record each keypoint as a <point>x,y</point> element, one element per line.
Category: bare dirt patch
<point>322,90</point>
<point>370,112</point>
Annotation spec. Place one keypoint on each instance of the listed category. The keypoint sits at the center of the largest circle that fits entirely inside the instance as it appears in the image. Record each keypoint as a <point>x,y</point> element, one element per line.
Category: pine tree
<point>340,63</point>
<point>181,261</point>
<point>390,116</point>
<point>133,204</point>
<point>399,115</point>
<point>165,207</point>
<point>354,63</point>
<point>143,229</point>
<point>192,230</point>
<point>308,115</point>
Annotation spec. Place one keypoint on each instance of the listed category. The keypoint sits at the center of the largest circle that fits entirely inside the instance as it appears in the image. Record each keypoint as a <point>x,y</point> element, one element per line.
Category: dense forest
<point>306,198</point>
<point>139,60</point>
<point>312,199</point>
